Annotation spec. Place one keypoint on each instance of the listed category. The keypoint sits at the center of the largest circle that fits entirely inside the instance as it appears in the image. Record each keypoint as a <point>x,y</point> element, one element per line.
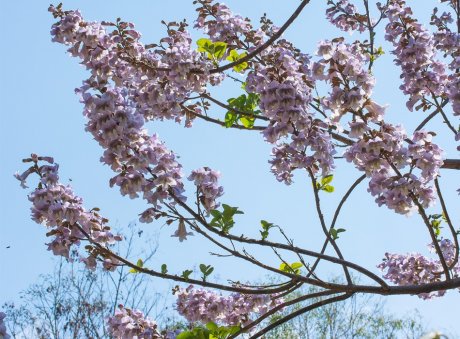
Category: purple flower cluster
<point>155,94</point>
<point>218,21</point>
<point>201,305</point>
<point>143,163</point>
<point>132,324</point>
<point>3,334</point>
<point>448,42</point>
<point>121,95</point>
<point>343,65</point>
<point>285,94</point>
<point>383,154</point>
<point>344,15</point>
<point>206,181</point>
<point>422,74</point>
<point>58,208</point>
<point>416,269</point>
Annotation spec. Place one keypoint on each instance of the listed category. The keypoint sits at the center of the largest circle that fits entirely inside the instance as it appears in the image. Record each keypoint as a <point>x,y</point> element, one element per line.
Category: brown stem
<point>336,214</point>
<point>267,43</point>
<point>227,107</point>
<point>433,114</point>
<point>221,123</point>
<point>324,227</point>
<point>449,223</point>
<point>278,308</point>
<point>291,248</point>
<point>299,312</point>
<point>153,273</point>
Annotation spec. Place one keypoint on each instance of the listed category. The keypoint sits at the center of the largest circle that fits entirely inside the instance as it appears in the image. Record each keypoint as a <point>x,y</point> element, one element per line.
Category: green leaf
<point>296,265</point>
<point>266,227</point>
<point>186,274</point>
<point>247,122</point>
<point>203,268</point>
<point>196,333</point>
<point>211,326</point>
<point>206,270</point>
<point>335,232</point>
<point>234,56</point>
<point>215,50</point>
<point>215,213</point>
<point>219,49</point>
<point>327,179</point>
<point>164,269</point>
<point>139,263</point>
<point>264,234</point>
<point>284,267</point>
<point>328,188</point>
<point>292,268</point>
<point>203,44</point>
<point>230,118</point>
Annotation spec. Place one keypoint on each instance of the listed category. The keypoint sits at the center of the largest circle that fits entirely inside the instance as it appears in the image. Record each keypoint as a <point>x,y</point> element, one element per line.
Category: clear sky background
<point>40,113</point>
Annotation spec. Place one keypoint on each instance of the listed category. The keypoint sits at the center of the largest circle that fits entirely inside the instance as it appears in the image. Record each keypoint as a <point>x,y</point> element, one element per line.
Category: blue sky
<point>40,113</point>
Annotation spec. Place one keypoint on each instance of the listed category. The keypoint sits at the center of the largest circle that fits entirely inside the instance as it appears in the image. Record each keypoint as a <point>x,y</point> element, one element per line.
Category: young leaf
<point>230,118</point>
<point>186,274</point>
<point>212,326</point>
<point>327,179</point>
<point>234,56</point>
<point>247,122</point>
<point>139,263</point>
<point>328,188</point>
<point>203,44</point>
<point>219,49</point>
<point>335,232</point>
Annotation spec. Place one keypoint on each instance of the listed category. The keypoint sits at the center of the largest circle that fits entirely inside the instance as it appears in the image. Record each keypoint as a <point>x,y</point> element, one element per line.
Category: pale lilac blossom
<point>202,305</point>
<point>206,181</point>
<point>344,15</point>
<point>416,269</point>
<point>58,208</point>
<point>415,52</point>
<point>132,324</point>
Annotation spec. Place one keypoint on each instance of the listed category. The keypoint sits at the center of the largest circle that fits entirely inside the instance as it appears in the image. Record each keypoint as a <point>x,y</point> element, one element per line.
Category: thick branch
<point>299,312</point>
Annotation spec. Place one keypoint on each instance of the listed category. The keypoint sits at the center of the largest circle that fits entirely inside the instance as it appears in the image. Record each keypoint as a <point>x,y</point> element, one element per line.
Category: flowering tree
<point>305,107</point>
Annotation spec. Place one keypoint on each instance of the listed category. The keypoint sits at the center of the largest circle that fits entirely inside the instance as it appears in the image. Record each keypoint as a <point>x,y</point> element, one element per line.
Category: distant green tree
<point>359,317</point>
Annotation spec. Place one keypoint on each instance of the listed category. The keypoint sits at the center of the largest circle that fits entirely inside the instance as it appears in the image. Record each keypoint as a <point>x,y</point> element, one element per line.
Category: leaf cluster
<point>224,220</point>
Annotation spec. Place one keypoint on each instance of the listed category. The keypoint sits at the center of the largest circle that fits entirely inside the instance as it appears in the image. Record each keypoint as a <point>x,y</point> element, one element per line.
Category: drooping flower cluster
<point>201,305</point>
<point>343,66</point>
<point>448,42</point>
<point>344,15</point>
<point>416,269</point>
<point>383,155</point>
<point>59,209</point>
<point>422,74</point>
<point>121,95</point>
<point>284,87</point>
<point>206,181</point>
<point>3,334</point>
<point>218,21</point>
<point>143,163</point>
<point>132,324</point>
<point>159,80</point>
